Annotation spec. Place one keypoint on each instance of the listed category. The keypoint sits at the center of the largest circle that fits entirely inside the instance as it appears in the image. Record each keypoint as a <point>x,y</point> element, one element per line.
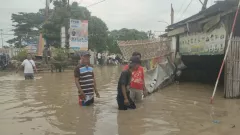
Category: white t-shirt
<point>99,55</point>
<point>28,66</point>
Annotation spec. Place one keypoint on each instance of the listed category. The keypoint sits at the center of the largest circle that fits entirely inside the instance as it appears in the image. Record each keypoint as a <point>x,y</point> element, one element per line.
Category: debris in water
<point>216,121</point>
<point>233,126</point>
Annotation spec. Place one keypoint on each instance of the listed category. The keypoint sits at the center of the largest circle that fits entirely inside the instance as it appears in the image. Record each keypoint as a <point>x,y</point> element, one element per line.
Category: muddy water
<point>48,106</point>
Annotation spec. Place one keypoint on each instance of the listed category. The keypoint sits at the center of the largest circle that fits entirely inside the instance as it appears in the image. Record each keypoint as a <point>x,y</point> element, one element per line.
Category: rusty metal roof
<point>219,7</point>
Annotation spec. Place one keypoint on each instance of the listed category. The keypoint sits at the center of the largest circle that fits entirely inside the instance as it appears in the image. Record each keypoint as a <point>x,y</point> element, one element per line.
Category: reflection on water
<point>48,106</point>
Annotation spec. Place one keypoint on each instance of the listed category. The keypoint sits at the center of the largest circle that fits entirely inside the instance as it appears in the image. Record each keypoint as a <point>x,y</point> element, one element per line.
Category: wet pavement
<point>49,106</point>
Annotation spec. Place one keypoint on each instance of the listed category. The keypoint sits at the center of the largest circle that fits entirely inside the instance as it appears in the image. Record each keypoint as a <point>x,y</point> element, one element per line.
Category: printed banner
<point>31,44</point>
<point>211,43</point>
<point>78,34</point>
<point>41,44</point>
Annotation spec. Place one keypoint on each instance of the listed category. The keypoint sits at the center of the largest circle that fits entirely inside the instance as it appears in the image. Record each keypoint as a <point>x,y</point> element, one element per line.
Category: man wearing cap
<point>137,84</point>
<point>85,81</point>
<point>123,97</point>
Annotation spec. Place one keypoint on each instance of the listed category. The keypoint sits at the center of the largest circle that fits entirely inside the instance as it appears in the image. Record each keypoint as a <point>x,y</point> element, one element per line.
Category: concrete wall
<point>173,47</point>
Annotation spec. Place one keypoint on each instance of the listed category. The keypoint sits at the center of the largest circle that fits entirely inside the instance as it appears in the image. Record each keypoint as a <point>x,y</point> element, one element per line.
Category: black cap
<point>85,53</point>
<point>135,60</point>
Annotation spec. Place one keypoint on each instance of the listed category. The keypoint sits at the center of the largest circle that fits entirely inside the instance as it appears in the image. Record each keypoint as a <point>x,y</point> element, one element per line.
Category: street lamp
<point>164,22</point>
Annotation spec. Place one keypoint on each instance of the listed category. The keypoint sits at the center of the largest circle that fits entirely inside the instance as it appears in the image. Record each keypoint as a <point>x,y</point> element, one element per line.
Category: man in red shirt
<point>137,84</point>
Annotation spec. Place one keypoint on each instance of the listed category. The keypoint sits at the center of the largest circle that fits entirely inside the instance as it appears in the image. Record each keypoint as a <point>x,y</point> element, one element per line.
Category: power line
<point>95,3</point>
<point>186,8</point>
<point>181,8</point>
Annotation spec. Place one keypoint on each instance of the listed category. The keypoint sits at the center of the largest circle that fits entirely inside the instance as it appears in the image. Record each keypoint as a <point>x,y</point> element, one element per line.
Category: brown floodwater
<point>49,106</point>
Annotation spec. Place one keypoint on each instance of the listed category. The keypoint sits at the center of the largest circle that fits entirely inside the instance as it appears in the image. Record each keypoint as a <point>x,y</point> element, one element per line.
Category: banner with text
<point>211,43</point>
<point>78,34</point>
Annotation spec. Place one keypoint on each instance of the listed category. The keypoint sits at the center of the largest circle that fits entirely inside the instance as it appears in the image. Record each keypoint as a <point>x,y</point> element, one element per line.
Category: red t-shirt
<point>137,80</point>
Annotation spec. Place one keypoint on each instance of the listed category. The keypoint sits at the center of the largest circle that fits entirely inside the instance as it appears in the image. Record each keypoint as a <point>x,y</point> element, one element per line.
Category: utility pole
<point>67,26</point>
<point>172,14</point>
<point>46,46</point>
<point>2,36</point>
<point>204,5</point>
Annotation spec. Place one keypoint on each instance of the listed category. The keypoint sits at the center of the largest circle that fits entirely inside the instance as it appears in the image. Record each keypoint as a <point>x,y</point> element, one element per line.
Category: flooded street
<point>49,106</point>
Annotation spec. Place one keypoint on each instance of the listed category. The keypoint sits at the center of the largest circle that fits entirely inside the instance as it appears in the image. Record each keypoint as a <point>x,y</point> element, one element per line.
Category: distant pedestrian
<point>29,67</point>
<point>123,95</point>
<point>137,85</point>
<point>85,81</point>
<point>99,57</point>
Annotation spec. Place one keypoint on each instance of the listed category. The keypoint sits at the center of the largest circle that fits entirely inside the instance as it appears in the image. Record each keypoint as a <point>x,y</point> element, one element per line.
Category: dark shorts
<point>29,76</point>
<point>122,106</point>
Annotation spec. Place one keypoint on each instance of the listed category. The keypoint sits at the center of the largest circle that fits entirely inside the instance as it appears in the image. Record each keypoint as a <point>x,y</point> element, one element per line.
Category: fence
<point>232,70</point>
<point>11,51</point>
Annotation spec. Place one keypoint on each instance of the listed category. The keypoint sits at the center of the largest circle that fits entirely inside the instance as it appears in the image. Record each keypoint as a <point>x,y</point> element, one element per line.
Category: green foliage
<point>62,13</point>
<point>97,34</point>
<point>123,35</point>
<point>26,26</point>
<point>129,34</point>
<point>60,54</point>
<point>112,45</point>
<point>60,58</point>
<point>22,55</point>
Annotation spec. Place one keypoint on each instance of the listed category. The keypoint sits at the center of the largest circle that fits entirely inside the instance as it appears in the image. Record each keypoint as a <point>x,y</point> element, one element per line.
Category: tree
<point>97,34</point>
<point>61,17</point>
<point>123,35</point>
<point>129,34</point>
<point>26,26</point>
<point>112,45</point>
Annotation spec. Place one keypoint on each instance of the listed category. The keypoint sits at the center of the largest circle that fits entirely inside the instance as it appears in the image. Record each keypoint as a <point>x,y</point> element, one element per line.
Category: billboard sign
<point>78,34</point>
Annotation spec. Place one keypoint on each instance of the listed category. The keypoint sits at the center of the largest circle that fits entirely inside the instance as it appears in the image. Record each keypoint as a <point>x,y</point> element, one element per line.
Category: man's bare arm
<point>19,68</point>
<point>95,84</point>
<point>124,91</point>
<point>78,85</point>
<point>35,68</point>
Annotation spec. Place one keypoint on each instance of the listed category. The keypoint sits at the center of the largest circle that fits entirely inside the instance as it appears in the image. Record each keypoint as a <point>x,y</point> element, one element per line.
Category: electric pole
<point>67,26</point>
<point>204,5</point>
<point>2,36</point>
<point>172,14</point>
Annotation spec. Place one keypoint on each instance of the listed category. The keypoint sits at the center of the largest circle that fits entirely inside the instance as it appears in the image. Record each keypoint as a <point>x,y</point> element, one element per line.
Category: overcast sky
<point>134,14</point>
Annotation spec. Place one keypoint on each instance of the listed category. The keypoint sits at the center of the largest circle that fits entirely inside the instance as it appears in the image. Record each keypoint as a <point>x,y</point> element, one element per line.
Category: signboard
<point>211,43</point>
<point>31,44</point>
<point>31,49</point>
<point>78,34</point>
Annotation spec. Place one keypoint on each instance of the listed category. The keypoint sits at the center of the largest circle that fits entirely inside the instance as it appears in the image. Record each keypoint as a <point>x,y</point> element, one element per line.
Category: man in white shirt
<point>29,66</point>
<point>99,56</point>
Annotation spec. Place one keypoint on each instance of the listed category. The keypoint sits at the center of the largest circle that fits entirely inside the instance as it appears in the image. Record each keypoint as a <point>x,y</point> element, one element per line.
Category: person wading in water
<point>29,67</point>
<point>123,95</point>
<point>85,81</point>
<point>137,84</point>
